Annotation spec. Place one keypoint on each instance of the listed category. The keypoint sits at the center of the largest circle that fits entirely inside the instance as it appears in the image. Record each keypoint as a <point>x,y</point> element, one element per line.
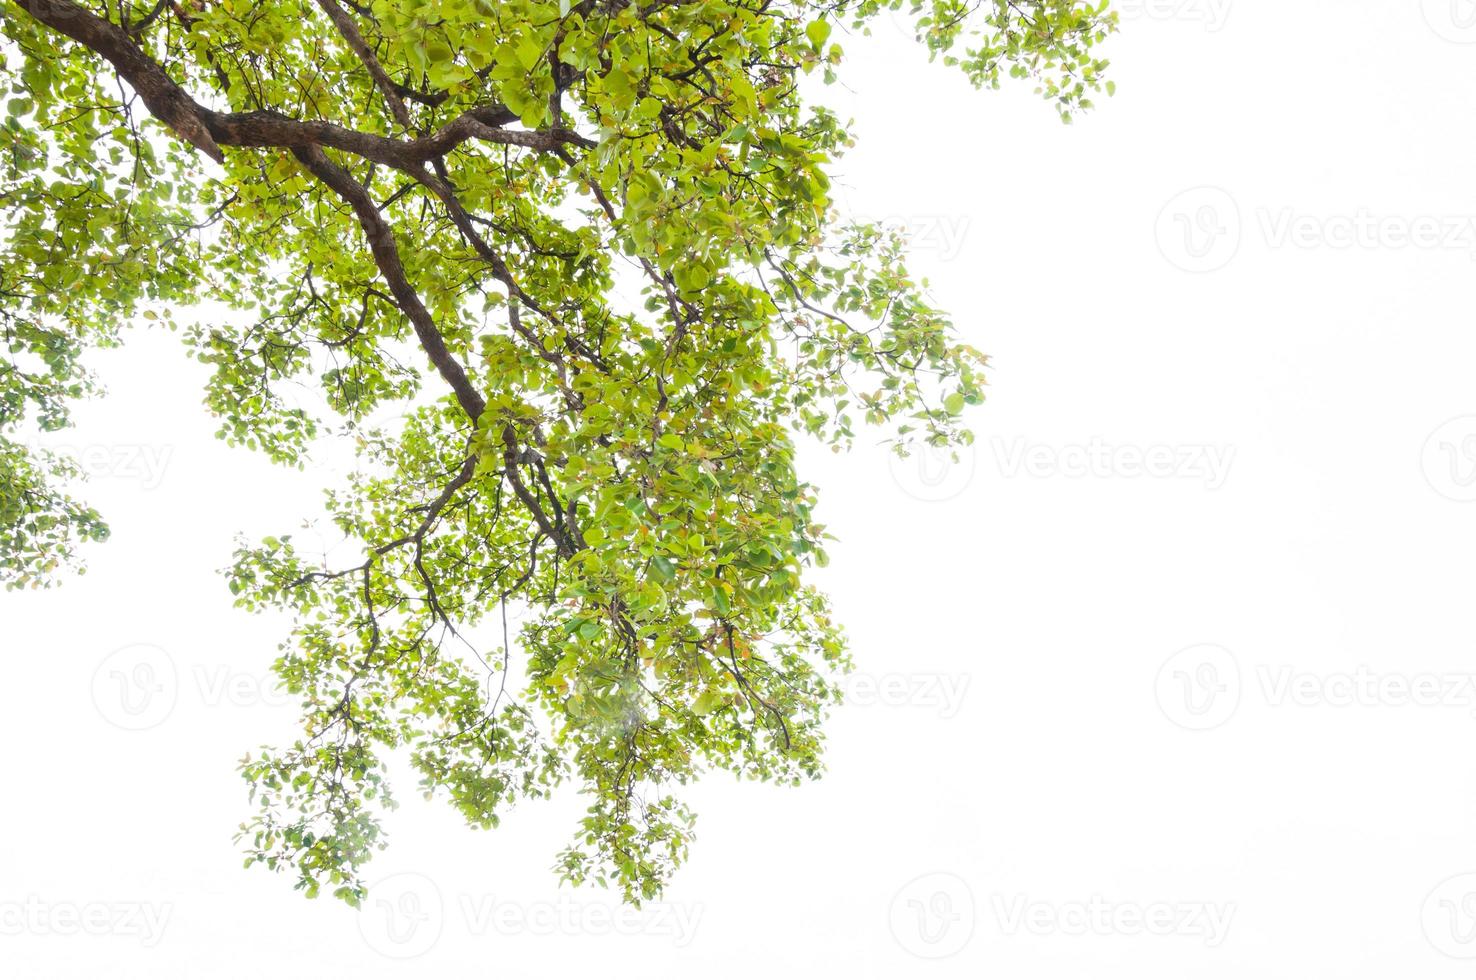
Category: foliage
<point>606,228</point>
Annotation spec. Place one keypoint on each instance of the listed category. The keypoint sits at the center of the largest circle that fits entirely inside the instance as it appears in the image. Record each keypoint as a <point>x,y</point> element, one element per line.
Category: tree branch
<point>208,130</point>
<point>387,258</point>
<point>350,32</point>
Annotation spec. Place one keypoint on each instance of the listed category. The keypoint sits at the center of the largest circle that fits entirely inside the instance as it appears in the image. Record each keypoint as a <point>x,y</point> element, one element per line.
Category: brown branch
<point>208,130</point>
<point>269,128</point>
<point>512,458</point>
<point>387,258</point>
<point>350,32</point>
<point>165,99</point>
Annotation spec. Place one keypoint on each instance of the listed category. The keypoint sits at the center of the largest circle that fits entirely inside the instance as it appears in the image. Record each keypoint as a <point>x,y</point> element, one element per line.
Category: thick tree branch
<point>387,258</point>
<point>169,103</point>
<point>360,47</point>
<point>209,130</point>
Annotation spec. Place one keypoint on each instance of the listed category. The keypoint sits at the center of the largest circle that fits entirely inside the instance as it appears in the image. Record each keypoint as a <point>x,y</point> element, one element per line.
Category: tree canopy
<point>590,251</point>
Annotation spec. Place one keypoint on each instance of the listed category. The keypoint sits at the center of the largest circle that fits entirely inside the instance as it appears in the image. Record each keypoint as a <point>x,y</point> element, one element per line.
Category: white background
<point>1026,783</point>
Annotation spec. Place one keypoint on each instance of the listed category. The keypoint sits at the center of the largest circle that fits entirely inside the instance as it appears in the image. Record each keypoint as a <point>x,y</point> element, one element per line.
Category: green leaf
<point>720,601</point>
<point>529,52</point>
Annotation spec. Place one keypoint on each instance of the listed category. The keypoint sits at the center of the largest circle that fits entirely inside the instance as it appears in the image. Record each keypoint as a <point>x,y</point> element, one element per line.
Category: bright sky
<point>1172,677</point>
